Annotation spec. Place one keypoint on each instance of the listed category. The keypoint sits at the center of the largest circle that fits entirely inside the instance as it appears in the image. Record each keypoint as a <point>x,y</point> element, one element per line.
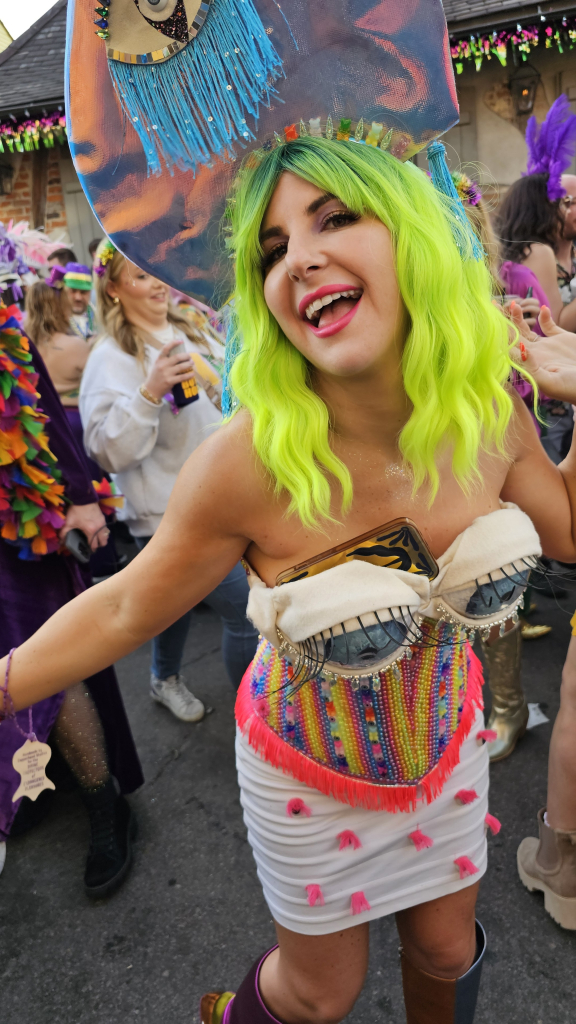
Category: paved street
<point>192,916</point>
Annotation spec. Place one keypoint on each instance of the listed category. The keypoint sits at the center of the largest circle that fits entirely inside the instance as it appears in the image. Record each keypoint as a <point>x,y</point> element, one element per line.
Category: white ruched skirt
<point>379,869</point>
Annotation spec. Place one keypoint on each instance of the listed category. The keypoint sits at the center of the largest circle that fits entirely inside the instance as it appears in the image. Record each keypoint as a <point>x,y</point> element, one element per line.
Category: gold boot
<point>509,715</point>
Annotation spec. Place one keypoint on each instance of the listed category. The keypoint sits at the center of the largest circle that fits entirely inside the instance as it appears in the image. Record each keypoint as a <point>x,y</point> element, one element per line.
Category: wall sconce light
<point>523,85</point>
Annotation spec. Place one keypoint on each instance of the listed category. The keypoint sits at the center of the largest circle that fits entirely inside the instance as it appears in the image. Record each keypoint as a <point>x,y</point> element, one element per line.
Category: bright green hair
<point>456,356</point>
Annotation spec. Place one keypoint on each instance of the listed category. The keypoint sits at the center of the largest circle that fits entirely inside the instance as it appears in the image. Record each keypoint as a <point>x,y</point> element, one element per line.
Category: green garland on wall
<point>24,136</point>
<point>558,33</point>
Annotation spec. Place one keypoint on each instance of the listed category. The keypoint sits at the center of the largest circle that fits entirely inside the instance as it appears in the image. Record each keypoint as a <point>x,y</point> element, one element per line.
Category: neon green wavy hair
<point>456,355</point>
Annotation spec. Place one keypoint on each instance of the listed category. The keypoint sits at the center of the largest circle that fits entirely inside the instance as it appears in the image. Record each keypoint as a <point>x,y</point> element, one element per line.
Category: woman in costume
<point>371,396</point>
<point>45,492</point>
<point>134,429</point>
<point>536,213</point>
<point>361,760</point>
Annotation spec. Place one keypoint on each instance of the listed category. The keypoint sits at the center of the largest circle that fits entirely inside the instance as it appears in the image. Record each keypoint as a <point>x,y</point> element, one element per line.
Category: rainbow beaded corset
<point>389,731</point>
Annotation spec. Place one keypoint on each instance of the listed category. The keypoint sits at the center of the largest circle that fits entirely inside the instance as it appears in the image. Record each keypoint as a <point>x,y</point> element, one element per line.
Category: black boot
<point>112,829</point>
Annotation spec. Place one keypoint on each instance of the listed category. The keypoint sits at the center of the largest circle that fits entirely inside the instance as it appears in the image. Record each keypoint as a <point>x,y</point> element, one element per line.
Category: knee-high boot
<point>244,1007</point>
<point>509,714</point>
<point>431,1000</point>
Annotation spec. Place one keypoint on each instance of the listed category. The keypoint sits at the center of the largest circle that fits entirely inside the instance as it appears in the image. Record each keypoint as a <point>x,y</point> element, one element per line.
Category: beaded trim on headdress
<point>31,494</point>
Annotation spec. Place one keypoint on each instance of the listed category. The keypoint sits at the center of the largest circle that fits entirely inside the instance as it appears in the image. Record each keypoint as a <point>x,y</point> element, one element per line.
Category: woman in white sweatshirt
<point>133,429</point>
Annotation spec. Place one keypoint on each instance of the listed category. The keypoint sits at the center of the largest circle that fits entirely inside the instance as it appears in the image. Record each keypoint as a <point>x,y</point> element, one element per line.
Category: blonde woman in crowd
<point>133,429</point>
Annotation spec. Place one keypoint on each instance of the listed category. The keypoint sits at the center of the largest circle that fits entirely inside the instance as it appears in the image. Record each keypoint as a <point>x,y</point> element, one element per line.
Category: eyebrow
<point>310,210</point>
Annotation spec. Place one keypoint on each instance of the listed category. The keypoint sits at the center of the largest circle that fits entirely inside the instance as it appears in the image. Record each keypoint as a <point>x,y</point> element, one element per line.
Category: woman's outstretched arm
<point>197,544</point>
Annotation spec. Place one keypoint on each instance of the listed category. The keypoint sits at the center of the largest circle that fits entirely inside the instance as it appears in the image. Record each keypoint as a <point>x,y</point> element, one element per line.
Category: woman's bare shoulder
<point>541,255</point>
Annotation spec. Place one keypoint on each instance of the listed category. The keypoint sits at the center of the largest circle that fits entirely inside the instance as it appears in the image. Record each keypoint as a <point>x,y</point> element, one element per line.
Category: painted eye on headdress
<point>166,16</point>
<point>153,8</point>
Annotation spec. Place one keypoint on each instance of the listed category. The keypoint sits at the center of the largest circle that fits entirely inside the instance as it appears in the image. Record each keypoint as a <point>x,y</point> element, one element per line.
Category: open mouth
<point>330,308</point>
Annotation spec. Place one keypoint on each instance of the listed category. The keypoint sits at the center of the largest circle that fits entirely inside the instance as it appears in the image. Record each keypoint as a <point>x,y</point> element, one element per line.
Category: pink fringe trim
<point>359,903</point>
<point>296,807</point>
<point>487,734</point>
<point>354,791</point>
<point>421,842</point>
<point>315,895</point>
<point>465,866</point>
<point>466,796</point>
<point>493,824</point>
<point>348,838</point>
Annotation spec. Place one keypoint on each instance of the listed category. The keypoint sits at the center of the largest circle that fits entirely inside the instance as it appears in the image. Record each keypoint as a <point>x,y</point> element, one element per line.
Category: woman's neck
<point>369,409</point>
<point>151,323</point>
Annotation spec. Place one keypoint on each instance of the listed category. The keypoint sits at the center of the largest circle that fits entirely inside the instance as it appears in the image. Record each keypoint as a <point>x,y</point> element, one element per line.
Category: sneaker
<point>174,694</point>
<point>112,832</point>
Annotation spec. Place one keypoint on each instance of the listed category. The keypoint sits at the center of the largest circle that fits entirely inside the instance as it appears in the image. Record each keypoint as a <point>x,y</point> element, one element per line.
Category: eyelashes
<point>332,221</point>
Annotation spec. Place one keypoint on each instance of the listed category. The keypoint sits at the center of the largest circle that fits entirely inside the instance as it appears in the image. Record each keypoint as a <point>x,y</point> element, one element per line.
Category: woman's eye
<point>274,254</point>
<point>340,218</point>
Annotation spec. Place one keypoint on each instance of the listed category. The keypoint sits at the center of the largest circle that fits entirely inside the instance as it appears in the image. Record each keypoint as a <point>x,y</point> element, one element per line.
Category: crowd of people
<point>362,751</point>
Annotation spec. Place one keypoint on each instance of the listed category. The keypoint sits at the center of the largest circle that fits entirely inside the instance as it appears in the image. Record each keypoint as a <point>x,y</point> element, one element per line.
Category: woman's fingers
<point>547,323</point>
<point>519,322</point>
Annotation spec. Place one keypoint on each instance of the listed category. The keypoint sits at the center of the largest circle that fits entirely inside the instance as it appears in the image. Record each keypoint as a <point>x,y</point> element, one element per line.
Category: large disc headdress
<point>165,96</point>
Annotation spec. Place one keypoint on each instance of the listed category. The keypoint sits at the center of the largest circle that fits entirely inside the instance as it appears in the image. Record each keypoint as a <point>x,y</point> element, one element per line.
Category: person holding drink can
<point>150,395</point>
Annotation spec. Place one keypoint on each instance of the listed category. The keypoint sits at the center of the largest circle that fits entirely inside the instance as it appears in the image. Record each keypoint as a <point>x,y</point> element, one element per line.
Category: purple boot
<point>245,1007</point>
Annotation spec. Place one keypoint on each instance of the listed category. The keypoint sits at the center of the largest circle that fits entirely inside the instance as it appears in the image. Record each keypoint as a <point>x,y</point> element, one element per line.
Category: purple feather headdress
<point>552,144</point>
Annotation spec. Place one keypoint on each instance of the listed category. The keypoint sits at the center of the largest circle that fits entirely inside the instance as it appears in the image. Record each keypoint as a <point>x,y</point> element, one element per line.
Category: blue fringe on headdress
<point>194,105</point>
<point>466,239</point>
<point>229,401</point>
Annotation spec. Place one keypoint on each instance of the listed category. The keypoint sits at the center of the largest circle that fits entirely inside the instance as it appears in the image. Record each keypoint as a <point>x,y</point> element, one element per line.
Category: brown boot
<point>549,865</point>
<point>431,1000</point>
<point>509,714</point>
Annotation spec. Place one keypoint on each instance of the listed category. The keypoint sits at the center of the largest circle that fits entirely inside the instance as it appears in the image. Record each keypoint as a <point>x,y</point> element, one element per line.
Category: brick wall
<point>18,205</point>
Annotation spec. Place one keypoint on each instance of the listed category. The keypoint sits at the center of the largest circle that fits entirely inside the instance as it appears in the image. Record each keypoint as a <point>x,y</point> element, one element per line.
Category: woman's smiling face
<point>330,280</point>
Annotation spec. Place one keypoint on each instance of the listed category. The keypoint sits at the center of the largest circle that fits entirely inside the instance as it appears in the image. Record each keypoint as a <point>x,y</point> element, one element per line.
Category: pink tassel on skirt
<point>296,807</point>
<point>359,903</point>
<point>487,734</point>
<point>315,895</point>
<point>493,824</point>
<point>348,838</point>
<point>466,796</point>
<point>421,842</point>
<point>465,866</point>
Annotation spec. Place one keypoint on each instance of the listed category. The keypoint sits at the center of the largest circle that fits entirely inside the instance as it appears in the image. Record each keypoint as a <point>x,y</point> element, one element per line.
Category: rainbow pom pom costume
<point>31,494</point>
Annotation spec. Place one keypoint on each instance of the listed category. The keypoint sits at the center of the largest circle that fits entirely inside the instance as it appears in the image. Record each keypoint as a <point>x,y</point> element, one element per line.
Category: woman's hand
<point>169,369</point>
<point>90,520</point>
<point>550,360</point>
<point>530,309</point>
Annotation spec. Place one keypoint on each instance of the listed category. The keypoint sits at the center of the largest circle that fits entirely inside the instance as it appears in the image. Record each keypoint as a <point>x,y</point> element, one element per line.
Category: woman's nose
<point>302,260</point>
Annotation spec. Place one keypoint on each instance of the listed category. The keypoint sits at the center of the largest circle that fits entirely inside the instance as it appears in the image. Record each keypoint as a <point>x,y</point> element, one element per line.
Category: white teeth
<point>327,299</point>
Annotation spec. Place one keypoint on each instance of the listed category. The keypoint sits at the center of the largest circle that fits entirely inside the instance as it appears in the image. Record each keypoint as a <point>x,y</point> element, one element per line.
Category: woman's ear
<point>111,289</point>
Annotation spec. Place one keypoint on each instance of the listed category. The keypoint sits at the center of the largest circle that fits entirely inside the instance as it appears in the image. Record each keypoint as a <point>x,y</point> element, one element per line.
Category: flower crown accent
<point>468,190</point>
<point>104,254</point>
<point>396,140</point>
